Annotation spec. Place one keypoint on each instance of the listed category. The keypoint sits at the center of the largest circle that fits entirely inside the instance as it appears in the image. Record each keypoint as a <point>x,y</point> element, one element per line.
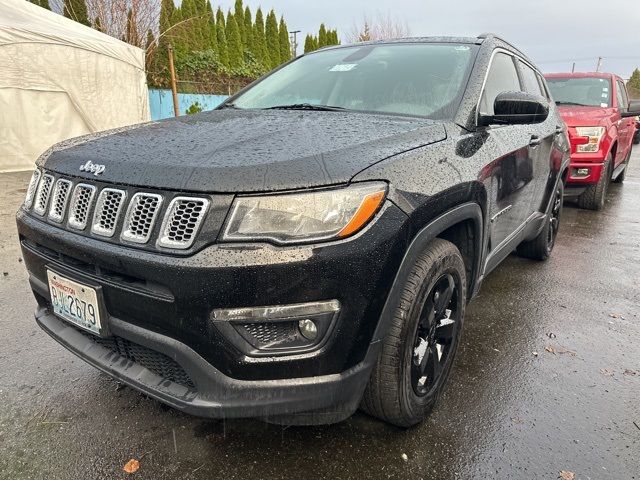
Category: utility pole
<point>293,38</point>
<point>573,69</point>
<point>174,88</point>
<point>599,64</point>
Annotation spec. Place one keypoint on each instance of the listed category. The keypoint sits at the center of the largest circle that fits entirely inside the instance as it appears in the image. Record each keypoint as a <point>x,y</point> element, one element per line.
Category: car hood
<point>577,116</point>
<point>243,151</point>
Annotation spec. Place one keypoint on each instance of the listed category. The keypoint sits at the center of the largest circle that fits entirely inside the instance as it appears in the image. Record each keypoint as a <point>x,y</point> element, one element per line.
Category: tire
<point>540,248</point>
<point>636,139</point>
<point>397,391</point>
<point>594,196</point>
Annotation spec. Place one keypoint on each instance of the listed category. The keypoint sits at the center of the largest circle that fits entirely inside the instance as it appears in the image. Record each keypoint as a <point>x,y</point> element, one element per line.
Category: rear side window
<point>530,79</point>
<point>623,99</point>
<point>502,77</point>
<point>543,88</point>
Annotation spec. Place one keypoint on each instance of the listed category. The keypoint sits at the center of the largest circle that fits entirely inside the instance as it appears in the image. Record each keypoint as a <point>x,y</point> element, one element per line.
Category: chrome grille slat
<point>141,217</point>
<point>43,194</point>
<point>182,222</point>
<point>59,200</point>
<point>80,205</point>
<point>31,190</point>
<point>107,211</point>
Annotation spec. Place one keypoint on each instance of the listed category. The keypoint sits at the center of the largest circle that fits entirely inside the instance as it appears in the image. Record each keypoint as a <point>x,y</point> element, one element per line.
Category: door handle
<point>535,141</point>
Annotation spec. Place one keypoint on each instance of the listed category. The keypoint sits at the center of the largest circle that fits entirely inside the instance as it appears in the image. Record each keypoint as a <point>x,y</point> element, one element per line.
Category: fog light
<point>581,172</point>
<point>308,329</point>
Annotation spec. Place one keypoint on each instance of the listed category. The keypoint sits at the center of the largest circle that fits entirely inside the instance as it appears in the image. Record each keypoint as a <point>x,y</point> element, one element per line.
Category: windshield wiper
<point>228,105</point>
<point>558,102</point>
<point>307,106</point>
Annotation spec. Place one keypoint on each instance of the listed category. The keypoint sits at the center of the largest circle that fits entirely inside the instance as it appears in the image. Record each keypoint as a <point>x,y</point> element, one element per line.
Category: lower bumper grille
<point>157,362</point>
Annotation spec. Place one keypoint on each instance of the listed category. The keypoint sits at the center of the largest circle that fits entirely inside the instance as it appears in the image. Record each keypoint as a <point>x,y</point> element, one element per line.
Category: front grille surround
<point>81,205</point>
<point>43,194</point>
<point>182,222</point>
<point>107,211</point>
<point>141,217</point>
<point>31,190</point>
<point>59,200</point>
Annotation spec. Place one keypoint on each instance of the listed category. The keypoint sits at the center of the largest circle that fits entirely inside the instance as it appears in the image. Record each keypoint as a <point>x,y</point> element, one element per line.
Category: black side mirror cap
<point>516,108</point>
<point>633,110</point>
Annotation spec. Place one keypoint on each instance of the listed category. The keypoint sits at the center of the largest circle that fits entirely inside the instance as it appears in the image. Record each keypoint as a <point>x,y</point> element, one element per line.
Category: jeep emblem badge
<point>92,168</point>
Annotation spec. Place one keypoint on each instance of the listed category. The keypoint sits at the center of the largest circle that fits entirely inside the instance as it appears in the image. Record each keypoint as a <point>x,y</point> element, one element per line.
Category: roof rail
<point>489,35</point>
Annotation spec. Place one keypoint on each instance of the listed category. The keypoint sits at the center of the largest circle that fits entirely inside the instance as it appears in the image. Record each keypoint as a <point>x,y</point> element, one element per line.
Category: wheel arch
<point>454,226</point>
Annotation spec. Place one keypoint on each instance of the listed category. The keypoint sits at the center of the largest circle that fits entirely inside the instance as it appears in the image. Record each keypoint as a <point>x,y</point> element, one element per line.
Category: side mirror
<point>517,108</point>
<point>633,110</point>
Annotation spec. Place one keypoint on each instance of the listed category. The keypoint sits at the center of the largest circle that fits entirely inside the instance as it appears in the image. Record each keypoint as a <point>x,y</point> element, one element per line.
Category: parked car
<point>310,246</point>
<point>596,108</point>
<point>636,137</point>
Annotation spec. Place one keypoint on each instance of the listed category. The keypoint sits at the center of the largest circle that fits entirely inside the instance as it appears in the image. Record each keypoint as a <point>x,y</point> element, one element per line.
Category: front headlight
<point>304,217</point>
<point>594,135</point>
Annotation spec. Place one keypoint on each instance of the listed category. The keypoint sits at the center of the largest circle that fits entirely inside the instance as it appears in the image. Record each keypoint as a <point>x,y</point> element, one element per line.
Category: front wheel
<point>540,247</point>
<point>594,196</point>
<point>418,352</point>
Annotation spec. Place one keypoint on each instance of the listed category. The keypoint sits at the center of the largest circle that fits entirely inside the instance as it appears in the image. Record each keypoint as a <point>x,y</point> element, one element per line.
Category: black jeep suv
<point>310,246</point>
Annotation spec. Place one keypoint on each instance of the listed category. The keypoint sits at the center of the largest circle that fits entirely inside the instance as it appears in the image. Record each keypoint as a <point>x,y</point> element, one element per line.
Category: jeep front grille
<point>182,221</point>
<point>108,208</point>
<point>96,209</point>
<point>80,205</point>
<point>59,201</point>
<point>141,217</point>
<point>42,195</point>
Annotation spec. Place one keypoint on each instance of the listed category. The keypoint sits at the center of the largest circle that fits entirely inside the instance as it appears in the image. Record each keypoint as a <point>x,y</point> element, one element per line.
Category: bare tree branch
<point>381,27</point>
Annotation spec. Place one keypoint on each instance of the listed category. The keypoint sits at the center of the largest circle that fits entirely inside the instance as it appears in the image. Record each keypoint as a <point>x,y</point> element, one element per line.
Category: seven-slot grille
<point>108,208</point>
<point>91,208</point>
<point>182,221</point>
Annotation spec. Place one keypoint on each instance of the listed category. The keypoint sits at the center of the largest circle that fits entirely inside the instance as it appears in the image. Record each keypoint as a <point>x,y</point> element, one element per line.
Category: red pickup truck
<point>601,127</point>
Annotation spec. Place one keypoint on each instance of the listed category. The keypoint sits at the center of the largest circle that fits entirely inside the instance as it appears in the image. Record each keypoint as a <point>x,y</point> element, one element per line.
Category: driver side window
<point>502,77</point>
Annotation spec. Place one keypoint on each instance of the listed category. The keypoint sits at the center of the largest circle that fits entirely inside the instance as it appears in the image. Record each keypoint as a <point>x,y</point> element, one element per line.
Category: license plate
<point>74,302</point>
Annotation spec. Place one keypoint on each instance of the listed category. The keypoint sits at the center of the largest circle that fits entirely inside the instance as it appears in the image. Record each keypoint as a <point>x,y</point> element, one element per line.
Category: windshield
<point>407,79</point>
<point>586,91</point>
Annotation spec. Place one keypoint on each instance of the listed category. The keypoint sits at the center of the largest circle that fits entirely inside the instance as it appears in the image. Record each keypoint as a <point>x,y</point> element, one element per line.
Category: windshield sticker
<point>605,89</point>
<point>462,48</point>
<point>604,105</point>
<point>343,67</point>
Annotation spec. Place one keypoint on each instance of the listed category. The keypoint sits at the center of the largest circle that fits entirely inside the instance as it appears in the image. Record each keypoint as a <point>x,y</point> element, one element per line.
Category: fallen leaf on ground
<point>607,372</point>
<point>567,475</point>
<point>629,372</point>
<point>405,457</point>
<point>559,350</point>
<point>535,354</point>
<point>131,466</point>
<point>616,315</point>
<point>551,335</point>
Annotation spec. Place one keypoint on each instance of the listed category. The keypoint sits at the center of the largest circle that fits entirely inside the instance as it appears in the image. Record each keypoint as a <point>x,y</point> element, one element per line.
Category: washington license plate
<point>74,302</point>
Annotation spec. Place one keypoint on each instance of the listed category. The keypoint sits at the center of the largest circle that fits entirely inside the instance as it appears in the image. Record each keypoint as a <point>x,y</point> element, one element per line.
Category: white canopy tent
<point>60,79</point>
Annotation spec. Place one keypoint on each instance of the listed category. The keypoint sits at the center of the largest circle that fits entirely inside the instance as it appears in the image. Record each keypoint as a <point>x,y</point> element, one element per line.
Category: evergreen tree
<point>273,42</point>
<point>223,52</point>
<point>239,16</point>
<point>41,3</point>
<point>248,42</point>
<point>234,42</point>
<point>178,38</point>
<point>309,44</point>
<point>211,20</point>
<point>190,32</point>
<point>201,25</point>
<point>634,81</point>
<point>76,10</point>
<point>322,36</point>
<point>285,45</point>
<point>261,53</point>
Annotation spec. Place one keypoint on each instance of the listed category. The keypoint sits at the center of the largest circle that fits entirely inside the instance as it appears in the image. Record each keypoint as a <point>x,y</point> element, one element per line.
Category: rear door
<point>625,125</point>
<point>511,170</point>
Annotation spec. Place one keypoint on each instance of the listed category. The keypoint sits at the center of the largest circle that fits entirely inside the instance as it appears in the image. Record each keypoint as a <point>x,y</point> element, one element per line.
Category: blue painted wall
<point>161,102</point>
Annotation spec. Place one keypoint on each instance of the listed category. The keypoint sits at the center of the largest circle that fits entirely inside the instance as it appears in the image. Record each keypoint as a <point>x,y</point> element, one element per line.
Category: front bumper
<point>163,303</point>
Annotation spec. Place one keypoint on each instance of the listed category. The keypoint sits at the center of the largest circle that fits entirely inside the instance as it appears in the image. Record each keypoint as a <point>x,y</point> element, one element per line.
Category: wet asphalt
<point>547,380</point>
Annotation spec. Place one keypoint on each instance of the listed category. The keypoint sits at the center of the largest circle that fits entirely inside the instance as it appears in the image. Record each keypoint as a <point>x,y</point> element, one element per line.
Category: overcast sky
<point>554,33</point>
